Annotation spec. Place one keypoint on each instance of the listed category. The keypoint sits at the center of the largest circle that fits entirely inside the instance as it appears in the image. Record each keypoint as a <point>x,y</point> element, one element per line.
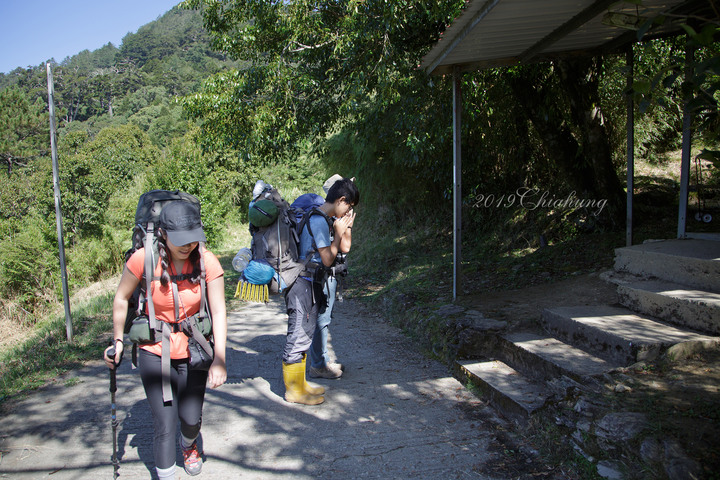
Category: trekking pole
<point>113,389</point>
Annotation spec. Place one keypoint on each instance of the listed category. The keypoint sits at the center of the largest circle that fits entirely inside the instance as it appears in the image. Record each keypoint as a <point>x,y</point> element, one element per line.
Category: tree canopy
<point>309,66</point>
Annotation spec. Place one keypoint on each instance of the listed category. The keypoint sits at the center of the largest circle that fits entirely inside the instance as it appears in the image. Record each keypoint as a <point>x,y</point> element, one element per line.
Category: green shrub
<point>29,268</point>
<point>105,165</point>
<point>120,216</point>
<point>183,168</point>
<point>94,258</point>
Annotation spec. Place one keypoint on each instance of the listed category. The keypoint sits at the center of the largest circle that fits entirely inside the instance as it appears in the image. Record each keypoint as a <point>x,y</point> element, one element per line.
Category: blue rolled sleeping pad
<point>258,272</point>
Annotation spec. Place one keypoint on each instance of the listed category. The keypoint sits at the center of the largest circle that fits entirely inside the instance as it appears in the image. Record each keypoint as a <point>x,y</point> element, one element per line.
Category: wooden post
<point>457,182</point>
<point>630,128</point>
<point>58,212</point>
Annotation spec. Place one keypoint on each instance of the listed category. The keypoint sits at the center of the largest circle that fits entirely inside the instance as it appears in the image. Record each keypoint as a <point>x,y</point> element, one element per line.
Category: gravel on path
<point>393,415</point>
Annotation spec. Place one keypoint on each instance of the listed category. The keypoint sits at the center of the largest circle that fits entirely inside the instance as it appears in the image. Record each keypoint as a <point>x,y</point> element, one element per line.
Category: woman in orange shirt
<point>179,234</point>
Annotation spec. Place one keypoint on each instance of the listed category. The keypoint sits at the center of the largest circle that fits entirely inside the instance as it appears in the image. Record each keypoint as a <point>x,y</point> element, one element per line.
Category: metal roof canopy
<point>501,33</point>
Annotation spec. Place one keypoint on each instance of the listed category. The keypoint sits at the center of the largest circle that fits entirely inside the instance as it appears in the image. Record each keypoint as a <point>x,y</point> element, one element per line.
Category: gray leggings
<point>188,388</point>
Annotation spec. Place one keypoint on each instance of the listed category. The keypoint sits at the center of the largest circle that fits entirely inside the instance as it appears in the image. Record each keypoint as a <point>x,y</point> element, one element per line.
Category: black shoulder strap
<point>306,222</point>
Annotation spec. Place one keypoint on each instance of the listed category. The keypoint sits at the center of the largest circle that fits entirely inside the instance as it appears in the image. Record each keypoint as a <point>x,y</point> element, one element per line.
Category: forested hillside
<point>121,130</point>
<point>214,95</point>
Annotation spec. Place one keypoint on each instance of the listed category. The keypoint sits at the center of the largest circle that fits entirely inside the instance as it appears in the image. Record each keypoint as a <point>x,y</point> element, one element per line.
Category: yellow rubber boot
<point>311,388</point>
<point>294,376</point>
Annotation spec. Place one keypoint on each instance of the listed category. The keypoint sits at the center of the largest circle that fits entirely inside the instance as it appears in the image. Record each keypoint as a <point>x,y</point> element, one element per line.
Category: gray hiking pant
<point>302,315</point>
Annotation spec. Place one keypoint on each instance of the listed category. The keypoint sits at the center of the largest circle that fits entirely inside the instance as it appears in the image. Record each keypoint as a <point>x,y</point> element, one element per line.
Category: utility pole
<point>58,212</point>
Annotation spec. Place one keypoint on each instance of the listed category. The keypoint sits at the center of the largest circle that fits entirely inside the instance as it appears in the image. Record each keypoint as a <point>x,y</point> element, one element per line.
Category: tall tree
<point>24,128</point>
<point>563,103</point>
<point>308,64</point>
<point>313,65</point>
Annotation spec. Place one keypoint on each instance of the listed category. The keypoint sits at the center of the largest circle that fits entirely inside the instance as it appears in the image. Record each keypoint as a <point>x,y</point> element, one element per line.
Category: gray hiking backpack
<point>147,217</point>
<point>275,239</point>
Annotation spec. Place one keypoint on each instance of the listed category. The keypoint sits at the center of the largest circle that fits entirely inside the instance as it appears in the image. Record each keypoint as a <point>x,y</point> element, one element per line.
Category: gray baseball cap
<point>181,222</point>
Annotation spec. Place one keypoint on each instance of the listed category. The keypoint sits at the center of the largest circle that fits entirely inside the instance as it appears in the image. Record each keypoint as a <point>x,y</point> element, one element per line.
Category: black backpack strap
<point>192,325</point>
<point>162,327</point>
<point>339,289</point>
<point>306,222</point>
<point>165,363</point>
<point>145,296</point>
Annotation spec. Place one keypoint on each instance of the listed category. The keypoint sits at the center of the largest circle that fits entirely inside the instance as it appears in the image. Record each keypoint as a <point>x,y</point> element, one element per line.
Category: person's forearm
<point>220,334</point>
<point>328,254</point>
<point>346,241</point>
<point>128,284</point>
<point>120,311</point>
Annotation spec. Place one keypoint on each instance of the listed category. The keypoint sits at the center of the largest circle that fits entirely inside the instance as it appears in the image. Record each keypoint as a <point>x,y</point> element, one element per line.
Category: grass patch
<point>407,272</point>
<point>235,237</point>
<point>46,353</point>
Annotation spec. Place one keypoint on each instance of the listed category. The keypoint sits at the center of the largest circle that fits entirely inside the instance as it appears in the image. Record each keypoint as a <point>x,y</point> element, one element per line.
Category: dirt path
<point>524,307</point>
<point>393,415</point>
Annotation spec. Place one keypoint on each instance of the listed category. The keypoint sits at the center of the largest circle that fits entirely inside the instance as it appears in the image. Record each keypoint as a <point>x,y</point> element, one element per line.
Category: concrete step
<point>615,333</point>
<point>547,357</point>
<point>674,303</point>
<point>691,262</point>
<point>511,393</point>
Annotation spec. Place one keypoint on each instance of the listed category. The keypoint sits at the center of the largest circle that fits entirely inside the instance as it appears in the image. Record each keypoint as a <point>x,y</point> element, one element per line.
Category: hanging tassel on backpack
<point>251,292</point>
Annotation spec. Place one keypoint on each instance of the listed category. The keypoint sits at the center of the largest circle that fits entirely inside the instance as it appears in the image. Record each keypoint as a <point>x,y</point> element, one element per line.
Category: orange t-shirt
<point>163,298</point>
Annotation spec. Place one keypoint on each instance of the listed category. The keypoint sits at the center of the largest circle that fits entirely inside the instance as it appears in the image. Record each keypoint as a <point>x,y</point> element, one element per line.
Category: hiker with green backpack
<point>281,263</point>
<point>184,290</point>
<point>307,297</point>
